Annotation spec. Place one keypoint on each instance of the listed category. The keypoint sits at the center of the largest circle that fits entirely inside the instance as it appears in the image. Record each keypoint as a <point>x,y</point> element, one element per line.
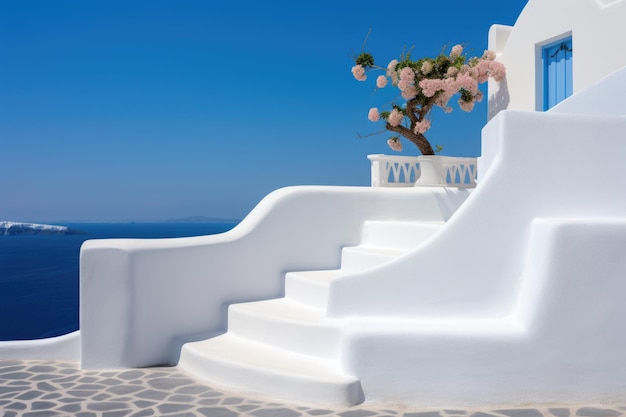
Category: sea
<point>39,273</point>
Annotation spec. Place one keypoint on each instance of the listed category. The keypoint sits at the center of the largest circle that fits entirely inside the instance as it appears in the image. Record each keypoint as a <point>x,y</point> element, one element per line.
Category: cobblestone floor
<point>60,389</point>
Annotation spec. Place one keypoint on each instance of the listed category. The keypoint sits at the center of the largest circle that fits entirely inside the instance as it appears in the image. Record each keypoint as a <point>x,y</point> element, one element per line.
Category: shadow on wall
<point>452,201</point>
<point>500,100</point>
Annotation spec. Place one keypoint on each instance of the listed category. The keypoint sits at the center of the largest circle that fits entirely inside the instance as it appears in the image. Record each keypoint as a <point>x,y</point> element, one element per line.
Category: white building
<point>557,47</point>
<point>510,294</point>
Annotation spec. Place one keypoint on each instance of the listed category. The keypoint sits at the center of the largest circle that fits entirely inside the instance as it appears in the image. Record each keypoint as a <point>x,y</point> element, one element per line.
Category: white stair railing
<point>429,171</point>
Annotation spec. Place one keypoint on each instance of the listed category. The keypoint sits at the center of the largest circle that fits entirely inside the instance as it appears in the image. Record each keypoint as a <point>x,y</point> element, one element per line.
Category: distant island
<point>17,229</point>
<point>201,219</point>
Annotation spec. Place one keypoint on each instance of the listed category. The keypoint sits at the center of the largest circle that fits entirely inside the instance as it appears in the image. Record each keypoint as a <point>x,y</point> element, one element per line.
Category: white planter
<point>432,171</point>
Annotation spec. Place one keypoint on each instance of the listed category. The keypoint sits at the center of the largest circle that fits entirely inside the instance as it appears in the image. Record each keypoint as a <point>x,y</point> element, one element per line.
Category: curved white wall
<point>598,32</point>
<point>519,297</point>
<point>542,167</point>
<point>142,299</point>
<point>562,343</point>
<point>63,348</point>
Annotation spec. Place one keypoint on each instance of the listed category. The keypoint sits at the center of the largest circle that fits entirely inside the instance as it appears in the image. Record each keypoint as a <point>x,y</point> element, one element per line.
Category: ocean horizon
<point>39,274</point>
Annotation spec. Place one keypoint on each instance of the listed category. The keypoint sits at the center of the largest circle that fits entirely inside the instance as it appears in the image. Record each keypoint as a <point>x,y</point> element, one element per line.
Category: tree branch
<point>417,138</point>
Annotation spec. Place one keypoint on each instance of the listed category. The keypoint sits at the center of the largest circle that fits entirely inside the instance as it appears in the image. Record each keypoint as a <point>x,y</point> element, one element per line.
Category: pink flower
<point>394,78</point>
<point>395,117</point>
<point>427,67</point>
<point>395,144</point>
<point>430,87</point>
<point>497,70</point>
<point>489,55</point>
<point>452,71</point>
<point>481,71</point>
<point>391,71</point>
<point>359,72</point>
<point>467,83</point>
<point>448,88</point>
<point>373,115</point>
<point>456,52</point>
<point>407,78</point>
<point>381,81</point>
<point>407,75</point>
<point>466,105</point>
<point>421,127</point>
<point>409,92</point>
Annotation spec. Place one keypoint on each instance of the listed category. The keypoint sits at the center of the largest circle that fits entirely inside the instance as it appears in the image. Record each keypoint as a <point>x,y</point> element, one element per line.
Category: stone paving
<point>61,389</point>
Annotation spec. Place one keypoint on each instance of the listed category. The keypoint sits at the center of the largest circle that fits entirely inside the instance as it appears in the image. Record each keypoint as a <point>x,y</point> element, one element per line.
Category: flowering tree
<point>426,83</point>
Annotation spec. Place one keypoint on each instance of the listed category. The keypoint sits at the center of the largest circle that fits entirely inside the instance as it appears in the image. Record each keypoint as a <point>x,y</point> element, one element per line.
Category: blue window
<point>557,72</point>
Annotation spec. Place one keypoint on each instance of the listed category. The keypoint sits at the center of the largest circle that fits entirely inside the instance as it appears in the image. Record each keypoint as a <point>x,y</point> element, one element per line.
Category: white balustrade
<point>425,170</point>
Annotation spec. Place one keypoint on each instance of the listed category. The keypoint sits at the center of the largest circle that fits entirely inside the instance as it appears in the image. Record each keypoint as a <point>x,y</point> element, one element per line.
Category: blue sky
<point>118,110</point>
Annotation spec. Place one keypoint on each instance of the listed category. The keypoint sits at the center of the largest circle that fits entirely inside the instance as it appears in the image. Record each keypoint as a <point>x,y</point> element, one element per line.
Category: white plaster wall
<point>520,296</point>
<point>593,99</point>
<point>597,31</point>
<point>471,268</point>
<point>563,343</point>
<point>142,299</point>
<point>66,348</point>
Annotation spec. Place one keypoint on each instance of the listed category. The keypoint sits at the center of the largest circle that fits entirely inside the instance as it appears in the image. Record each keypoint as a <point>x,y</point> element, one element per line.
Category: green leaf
<point>365,59</point>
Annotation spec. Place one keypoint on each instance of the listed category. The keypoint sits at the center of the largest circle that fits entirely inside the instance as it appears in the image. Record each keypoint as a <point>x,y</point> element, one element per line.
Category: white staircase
<point>288,348</point>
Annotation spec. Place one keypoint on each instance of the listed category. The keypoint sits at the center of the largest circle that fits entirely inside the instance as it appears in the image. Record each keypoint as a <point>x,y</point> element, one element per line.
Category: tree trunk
<point>417,138</point>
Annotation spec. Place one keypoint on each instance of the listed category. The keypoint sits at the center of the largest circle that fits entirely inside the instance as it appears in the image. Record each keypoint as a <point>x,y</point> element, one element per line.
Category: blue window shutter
<point>557,74</point>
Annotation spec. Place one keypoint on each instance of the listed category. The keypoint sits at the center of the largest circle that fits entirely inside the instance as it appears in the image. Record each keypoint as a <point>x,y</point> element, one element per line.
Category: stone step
<point>287,347</point>
<point>359,258</point>
<point>397,234</point>
<point>381,241</point>
<point>249,367</point>
<point>288,325</point>
<point>310,287</point>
